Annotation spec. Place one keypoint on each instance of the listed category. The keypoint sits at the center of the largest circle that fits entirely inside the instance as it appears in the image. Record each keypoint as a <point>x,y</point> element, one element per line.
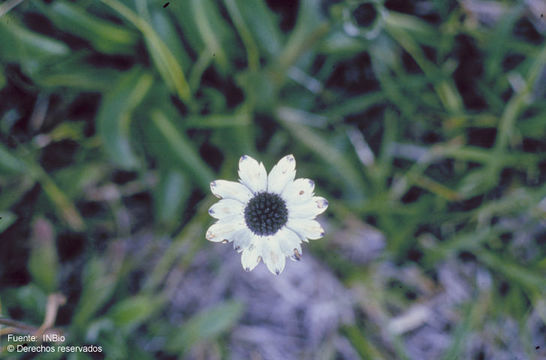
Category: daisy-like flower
<point>266,216</point>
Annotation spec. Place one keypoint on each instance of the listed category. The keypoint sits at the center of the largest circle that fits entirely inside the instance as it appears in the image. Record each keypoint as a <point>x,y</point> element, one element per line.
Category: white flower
<point>266,216</point>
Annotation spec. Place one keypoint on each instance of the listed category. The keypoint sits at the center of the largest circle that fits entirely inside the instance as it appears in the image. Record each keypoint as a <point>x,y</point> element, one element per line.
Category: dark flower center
<point>266,213</point>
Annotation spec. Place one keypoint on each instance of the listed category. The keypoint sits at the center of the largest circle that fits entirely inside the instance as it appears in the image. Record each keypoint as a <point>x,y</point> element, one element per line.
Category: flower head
<point>266,217</point>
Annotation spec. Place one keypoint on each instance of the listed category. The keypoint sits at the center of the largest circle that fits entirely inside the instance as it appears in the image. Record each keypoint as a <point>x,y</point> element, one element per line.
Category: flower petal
<point>273,257</point>
<point>281,174</point>
<point>288,241</point>
<point>241,239</point>
<point>305,228</point>
<point>223,230</point>
<point>250,257</point>
<point>298,191</point>
<point>224,189</point>
<point>252,174</point>
<point>226,208</point>
<point>308,209</point>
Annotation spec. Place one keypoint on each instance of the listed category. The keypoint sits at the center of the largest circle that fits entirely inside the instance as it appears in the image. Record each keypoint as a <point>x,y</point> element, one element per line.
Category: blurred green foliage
<point>430,127</point>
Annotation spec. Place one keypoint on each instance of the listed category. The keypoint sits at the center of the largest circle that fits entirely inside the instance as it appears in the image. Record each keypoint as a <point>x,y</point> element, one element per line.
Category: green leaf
<point>18,44</point>
<point>164,27</point>
<point>171,193</point>
<point>213,30</point>
<point>74,72</point>
<point>473,315</point>
<point>103,35</point>
<point>531,280</point>
<point>32,300</point>
<point>185,19</point>
<point>65,209</point>
<point>74,179</point>
<point>43,262</point>
<point>365,348</point>
<point>472,241</point>
<point>338,42</point>
<point>240,118</point>
<point>260,89</point>
<point>9,164</point>
<point>330,155</point>
<point>166,63</point>
<point>3,80</point>
<point>206,31</point>
<point>418,29</point>
<point>132,311</point>
<point>206,325</point>
<point>114,116</point>
<point>354,105</point>
<point>444,86</point>
<point>476,182</point>
<point>261,25</point>
<point>310,27</point>
<point>178,147</point>
<point>7,218</point>
<point>99,282</point>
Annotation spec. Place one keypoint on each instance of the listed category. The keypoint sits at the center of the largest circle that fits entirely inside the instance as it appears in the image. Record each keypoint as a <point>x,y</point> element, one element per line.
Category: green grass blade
<point>258,21</point>
<point>331,157</point>
<point>103,35</point>
<point>114,116</point>
<point>9,164</point>
<point>18,44</point>
<point>167,65</point>
<point>181,149</point>
<point>204,326</point>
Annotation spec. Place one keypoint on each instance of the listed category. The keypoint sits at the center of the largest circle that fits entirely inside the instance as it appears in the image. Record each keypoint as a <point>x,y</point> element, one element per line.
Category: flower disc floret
<point>266,213</point>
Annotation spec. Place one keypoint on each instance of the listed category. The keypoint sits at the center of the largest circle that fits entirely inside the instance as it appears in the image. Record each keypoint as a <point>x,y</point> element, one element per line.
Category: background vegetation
<point>423,122</point>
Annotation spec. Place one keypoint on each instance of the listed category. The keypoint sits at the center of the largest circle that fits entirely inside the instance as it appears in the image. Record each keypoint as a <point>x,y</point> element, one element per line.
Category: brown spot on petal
<point>210,236</point>
<point>297,255</point>
<point>224,241</point>
<point>302,192</point>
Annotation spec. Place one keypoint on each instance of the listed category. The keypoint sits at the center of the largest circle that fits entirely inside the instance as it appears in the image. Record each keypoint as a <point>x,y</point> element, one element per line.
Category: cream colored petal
<point>224,189</point>
<point>288,241</point>
<point>251,256</point>
<point>273,257</point>
<point>308,209</point>
<point>252,174</point>
<point>241,239</point>
<point>305,228</point>
<point>298,191</point>
<point>282,174</point>
<point>226,208</point>
<point>223,230</point>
